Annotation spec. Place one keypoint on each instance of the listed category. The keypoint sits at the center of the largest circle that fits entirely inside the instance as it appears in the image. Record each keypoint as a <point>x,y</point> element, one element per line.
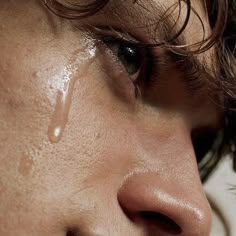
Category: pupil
<point>131,58</point>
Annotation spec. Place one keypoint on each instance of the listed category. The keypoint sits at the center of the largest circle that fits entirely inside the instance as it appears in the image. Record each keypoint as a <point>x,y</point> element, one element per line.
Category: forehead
<point>146,14</point>
<point>155,16</point>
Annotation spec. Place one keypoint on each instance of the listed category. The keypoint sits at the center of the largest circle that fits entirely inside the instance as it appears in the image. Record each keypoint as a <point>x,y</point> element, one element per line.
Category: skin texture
<point>118,156</point>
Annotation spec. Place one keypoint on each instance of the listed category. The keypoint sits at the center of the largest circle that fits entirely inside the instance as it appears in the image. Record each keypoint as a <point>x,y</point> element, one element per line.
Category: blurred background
<point>221,192</point>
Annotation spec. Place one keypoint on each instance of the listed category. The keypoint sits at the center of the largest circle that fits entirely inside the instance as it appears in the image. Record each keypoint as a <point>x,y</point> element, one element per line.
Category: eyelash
<point>114,36</point>
<point>154,60</point>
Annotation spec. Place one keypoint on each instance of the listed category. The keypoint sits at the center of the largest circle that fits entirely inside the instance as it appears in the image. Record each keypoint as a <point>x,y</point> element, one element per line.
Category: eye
<point>131,56</point>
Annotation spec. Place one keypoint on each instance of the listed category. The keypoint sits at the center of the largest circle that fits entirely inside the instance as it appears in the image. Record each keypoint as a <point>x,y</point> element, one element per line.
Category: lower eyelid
<point>117,77</point>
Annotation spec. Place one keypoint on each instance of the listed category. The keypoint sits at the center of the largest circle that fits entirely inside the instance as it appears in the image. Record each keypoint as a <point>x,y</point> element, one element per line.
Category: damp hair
<point>222,19</point>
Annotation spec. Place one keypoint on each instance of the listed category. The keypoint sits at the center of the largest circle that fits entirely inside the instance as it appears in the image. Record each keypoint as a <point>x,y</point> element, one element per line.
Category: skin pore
<point>84,153</point>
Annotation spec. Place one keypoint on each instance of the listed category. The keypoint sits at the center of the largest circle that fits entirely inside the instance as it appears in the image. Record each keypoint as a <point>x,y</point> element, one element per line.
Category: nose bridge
<point>165,127</point>
<point>165,143</point>
<point>164,205</point>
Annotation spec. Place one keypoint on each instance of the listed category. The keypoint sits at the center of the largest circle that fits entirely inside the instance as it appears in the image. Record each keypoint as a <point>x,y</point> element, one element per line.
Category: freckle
<point>15,103</point>
<point>25,165</point>
<point>35,74</point>
<point>97,135</point>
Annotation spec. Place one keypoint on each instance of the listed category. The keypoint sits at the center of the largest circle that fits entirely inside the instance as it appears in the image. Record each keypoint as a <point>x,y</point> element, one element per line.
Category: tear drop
<point>76,69</point>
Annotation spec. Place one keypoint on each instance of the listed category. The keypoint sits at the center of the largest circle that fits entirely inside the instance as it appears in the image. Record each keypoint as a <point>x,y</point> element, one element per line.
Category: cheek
<point>92,128</point>
<point>27,100</point>
<point>98,126</point>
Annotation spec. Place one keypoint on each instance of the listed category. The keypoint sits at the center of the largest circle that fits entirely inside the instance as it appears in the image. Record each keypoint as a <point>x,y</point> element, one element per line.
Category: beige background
<point>223,199</point>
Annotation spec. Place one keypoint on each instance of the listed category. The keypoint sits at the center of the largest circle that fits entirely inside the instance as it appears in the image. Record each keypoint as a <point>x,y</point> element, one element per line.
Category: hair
<point>222,19</point>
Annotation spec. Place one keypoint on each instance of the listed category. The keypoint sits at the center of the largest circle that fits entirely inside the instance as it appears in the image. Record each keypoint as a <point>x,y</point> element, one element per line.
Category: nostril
<point>71,232</point>
<point>161,221</point>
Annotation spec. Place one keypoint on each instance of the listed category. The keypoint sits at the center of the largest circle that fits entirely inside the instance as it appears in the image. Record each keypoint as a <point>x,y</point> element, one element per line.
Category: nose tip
<point>164,207</point>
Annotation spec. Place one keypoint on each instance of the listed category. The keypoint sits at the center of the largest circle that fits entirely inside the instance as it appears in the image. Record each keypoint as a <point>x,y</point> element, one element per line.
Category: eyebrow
<point>147,15</point>
<point>196,74</point>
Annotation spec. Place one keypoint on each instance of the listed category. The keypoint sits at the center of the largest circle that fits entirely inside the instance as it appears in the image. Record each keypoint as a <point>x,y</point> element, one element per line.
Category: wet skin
<point>80,153</point>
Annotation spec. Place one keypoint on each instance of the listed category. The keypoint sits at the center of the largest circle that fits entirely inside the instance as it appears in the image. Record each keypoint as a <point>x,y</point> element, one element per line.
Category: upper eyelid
<point>196,81</point>
<point>152,57</point>
<point>114,34</point>
<point>108,31</point>
<point>118,35</point>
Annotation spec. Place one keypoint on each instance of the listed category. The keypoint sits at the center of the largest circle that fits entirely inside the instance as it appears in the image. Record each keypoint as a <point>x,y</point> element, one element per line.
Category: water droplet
<point>76,69</point>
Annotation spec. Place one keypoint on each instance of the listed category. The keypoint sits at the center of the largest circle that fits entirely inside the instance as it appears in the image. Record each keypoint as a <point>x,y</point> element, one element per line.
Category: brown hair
<point>222,18</point>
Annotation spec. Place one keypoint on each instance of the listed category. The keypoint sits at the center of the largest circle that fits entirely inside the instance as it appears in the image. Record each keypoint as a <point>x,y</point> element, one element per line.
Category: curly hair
<point>222,19</point>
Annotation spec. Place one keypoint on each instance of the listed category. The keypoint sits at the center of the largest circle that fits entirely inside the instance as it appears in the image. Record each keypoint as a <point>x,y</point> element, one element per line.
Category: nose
<point>165,206</point>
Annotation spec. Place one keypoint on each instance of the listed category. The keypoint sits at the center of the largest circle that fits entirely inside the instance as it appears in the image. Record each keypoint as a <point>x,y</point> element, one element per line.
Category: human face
<point>81,152</point>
